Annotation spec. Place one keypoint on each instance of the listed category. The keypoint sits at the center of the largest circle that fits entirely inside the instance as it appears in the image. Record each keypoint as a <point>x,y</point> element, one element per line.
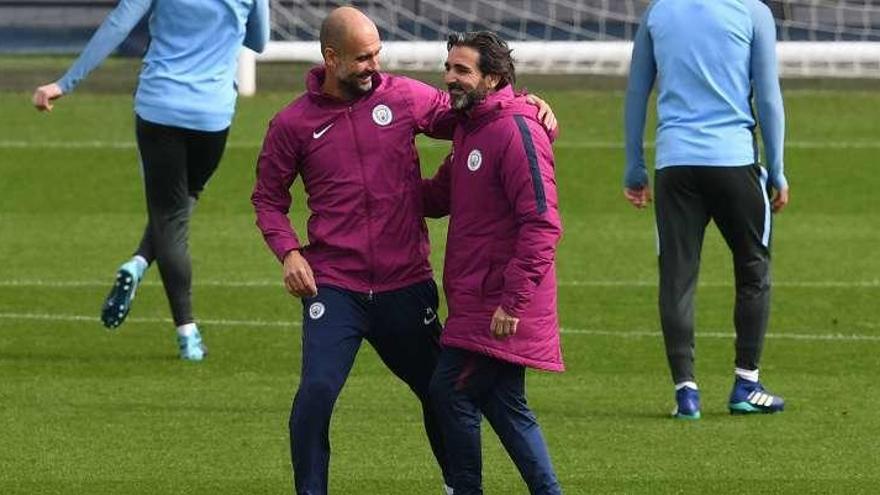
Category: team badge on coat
<point>316,310</point>
<point>475,159</point>
<point>382,115</point>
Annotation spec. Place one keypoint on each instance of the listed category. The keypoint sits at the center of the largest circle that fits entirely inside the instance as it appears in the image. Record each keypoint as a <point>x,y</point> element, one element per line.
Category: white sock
<point>447,490</point>
<point>690,385</point>
<point>187,329</point>
<point>141,262</point>
<point>750,375</point>
<point>140,265</point>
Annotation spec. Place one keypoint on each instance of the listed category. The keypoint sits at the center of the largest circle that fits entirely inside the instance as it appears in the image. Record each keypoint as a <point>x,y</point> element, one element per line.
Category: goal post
<point>818,38</point>
<point>807,59</point>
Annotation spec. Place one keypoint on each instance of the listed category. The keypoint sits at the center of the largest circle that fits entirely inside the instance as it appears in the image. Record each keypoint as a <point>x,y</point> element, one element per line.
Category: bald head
<point>350,46</point>
<point>346,26</point>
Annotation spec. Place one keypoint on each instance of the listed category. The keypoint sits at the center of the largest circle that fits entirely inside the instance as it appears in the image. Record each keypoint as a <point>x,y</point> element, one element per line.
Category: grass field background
<point>86,411</point>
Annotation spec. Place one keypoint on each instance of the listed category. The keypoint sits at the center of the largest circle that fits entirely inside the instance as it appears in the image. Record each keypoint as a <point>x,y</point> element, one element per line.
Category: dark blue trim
<point>537,183</point>
<point>756,150</point>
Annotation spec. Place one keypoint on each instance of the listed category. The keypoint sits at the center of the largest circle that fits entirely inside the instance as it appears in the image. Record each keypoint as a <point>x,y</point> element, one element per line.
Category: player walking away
<point>183,107</point>
<point>710,58</point>
<point>498,188</point>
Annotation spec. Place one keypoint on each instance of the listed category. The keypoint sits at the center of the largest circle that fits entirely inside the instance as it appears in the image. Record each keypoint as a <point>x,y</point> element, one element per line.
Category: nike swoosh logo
<point>429,320</point>
<point>320,133</point>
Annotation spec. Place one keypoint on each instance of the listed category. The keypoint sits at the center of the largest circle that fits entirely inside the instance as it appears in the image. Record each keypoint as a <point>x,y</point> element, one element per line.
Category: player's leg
<point>165,161</point>
<point>118,302</point>
<point>741,208</point>
<point>508,412</point>
<point>334,322</point>
<point>145,248</point>
<point>131,272</point>
<point>163,164</point>
<point>203,153</point>
<point>459,383</point>
<point>681,216</point>
<point>405,331</point>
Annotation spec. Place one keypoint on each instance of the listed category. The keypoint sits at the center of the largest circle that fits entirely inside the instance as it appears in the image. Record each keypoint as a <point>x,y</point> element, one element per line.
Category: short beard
<point>463,102</point>
<point>352,87</point>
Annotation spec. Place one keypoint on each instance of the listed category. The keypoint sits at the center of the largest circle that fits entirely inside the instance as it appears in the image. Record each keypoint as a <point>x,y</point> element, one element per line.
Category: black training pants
<point>177,164</point>
<point>735,198</point>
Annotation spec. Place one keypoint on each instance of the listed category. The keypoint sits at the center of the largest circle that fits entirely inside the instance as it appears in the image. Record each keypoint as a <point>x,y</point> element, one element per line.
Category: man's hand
<point>545,113</point>
<point>298,276</point>
<point>503,325</point>
<point>780,199</point>
<point>638,197</point>
<point>45,95</point>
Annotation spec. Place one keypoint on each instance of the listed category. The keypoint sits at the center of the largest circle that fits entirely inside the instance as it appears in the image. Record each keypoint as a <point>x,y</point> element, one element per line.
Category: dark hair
<point>494,54</point>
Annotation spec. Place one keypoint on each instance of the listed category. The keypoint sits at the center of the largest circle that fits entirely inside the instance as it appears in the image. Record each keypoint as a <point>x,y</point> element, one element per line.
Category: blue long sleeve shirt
<point>188,74</point>
<point>709,59</point>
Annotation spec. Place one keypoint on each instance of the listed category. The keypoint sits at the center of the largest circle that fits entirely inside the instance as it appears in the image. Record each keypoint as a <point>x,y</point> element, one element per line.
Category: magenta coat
<point>499,189</point>
<point>359,164</point>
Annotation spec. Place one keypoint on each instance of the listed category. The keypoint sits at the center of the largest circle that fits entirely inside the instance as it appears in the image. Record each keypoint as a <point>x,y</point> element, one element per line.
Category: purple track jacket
<point>361,172</point>
<point>499,189</point>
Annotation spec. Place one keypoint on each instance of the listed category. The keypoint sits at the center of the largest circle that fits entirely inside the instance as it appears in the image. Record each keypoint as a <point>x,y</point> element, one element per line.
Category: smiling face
<point>352,59</point>
<point>467,85</point>
<point>358,63</point>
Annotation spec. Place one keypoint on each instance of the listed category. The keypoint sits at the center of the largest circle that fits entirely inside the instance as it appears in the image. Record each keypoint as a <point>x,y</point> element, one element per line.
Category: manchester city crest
<point>475,159</point>
<point>316,310</point>
<point>382,115</point>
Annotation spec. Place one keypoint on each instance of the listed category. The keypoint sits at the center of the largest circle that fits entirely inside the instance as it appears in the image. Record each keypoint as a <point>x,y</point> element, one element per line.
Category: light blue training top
<point>710,57</point>
<point>188,74</point>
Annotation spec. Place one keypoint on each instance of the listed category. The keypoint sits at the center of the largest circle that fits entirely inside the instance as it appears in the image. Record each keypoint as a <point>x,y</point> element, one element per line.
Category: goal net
<point>818,38</point>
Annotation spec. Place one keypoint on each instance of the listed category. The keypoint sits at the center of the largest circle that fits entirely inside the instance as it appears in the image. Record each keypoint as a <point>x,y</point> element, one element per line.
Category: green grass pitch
<point>86,411</point>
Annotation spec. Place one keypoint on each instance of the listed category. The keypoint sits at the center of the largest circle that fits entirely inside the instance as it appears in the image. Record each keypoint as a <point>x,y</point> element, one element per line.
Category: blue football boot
<point>191,347</point>
<point>687,404</point>
<point>118,302</point>
<point>749,397</point>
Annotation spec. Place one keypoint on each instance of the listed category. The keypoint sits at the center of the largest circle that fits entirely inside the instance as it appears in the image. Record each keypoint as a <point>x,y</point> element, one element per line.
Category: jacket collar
<point>495,105</point>
<point>315,81</point>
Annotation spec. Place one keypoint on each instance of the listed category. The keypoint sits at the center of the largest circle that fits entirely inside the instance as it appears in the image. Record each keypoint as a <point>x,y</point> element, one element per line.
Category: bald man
<point>364,273</point>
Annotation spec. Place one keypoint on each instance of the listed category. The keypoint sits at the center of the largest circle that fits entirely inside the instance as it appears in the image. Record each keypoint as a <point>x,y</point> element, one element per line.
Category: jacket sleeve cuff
<point>779,182</point>
<point>511,306</point>
<point>636,177</point>
<point>283,247</point>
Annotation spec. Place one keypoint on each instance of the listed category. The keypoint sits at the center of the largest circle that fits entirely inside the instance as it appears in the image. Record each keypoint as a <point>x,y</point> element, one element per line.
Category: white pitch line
<point>148,283</point>
<point>68,145</point>
<point>97,144</point>
<point>805,145</point>
<point>725,335</point>
<point>135,319</point>
<point>818,284</point>
<point>565,330</point>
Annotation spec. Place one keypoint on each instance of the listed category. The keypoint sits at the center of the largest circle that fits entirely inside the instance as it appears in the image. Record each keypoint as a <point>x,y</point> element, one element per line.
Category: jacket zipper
<point>366,202</point>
